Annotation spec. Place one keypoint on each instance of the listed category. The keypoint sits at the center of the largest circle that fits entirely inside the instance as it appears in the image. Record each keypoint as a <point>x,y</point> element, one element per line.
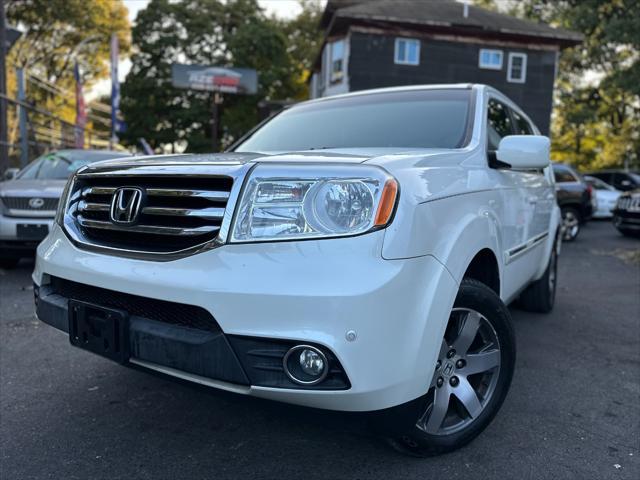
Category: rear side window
<point>523,127</point>
<point>498,122</point>
<point>563,175</point>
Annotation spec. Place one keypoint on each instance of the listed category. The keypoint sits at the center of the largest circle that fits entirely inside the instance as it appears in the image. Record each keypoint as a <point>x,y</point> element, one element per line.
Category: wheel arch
<point>484,268</point>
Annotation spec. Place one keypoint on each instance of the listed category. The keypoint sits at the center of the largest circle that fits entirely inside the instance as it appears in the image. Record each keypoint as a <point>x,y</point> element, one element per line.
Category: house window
<point>407,51</point>
<point>517,69</point>
<point>336,65</point>
<point>491,59</point>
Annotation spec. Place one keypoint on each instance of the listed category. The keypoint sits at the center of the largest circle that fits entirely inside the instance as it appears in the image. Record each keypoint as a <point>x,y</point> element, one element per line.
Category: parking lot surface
<point>573,410</point>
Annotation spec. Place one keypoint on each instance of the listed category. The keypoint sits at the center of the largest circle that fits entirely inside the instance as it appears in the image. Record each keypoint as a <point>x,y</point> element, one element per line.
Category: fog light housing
<point>305,365</point>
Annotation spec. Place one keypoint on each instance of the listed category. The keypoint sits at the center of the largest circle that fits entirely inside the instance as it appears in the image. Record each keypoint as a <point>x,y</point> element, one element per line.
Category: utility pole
<point>4,139</point>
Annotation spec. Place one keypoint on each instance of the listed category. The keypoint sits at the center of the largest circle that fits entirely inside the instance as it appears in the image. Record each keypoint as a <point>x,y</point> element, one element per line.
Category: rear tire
<point>540,295</point>
<point>468,385</point>
<point>570,223</point>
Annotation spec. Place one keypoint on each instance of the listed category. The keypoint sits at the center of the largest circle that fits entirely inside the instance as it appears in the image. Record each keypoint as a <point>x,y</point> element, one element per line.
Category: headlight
<point>62,203</point>
<point>284,202</point>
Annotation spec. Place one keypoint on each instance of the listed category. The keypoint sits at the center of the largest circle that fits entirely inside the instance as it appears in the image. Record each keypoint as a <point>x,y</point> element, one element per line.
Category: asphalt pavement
<point>573,410</point>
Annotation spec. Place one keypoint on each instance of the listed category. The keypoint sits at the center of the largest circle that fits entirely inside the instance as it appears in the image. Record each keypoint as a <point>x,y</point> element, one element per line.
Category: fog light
<point>311,362</point>
<point>305,365</point>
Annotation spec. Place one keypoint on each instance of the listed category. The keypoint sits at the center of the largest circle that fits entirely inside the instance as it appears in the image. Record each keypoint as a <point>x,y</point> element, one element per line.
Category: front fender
<point>452,229</point>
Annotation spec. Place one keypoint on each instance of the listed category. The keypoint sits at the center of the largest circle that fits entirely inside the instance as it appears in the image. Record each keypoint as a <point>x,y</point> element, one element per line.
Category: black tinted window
<point>499,123</point>
<point>563,175</point>
<point>523,127</point>
<point>417,119</point>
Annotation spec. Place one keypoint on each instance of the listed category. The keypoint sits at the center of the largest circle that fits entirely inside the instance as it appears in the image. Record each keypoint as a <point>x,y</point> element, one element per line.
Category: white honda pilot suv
<point>352,253</point>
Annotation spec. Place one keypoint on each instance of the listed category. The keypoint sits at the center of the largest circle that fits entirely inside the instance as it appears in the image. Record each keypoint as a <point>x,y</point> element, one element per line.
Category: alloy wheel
<point>465,376</point>
<point>570,225</point>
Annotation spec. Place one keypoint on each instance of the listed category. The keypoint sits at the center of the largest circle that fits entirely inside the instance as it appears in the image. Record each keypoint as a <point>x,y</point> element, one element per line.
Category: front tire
<point>468,384</point>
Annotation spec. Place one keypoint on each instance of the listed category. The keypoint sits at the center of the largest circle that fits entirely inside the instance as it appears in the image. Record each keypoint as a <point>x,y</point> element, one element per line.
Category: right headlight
<point>285,202</point>
<point>64,200</point>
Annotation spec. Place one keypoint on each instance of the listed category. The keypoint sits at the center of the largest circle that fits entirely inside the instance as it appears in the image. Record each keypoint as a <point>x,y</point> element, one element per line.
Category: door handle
<point>532,200</point>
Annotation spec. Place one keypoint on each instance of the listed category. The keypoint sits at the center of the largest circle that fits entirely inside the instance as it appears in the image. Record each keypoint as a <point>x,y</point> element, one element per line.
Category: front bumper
<point>626,220</point>
<point>14,243</point>
<point>309,292</point>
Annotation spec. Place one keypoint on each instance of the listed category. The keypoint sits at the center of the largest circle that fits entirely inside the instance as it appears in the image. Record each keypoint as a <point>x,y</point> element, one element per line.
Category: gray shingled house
<point>382,43</point>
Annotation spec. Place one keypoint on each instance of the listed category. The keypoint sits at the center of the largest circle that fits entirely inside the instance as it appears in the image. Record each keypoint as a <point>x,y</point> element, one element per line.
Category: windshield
<point>60,165</point>
<point>598,184</point>
<point>414,119</point>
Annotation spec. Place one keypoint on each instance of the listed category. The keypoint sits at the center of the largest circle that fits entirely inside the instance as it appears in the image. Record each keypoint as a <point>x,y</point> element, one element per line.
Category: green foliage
<point>58,33</point>
<point>209,32</point>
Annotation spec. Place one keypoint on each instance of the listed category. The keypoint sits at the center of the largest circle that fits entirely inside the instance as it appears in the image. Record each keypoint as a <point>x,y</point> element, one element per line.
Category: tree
<point>58,33</point>
<point>304,39</point>
<point>596,120</point>
<point>207,32</point>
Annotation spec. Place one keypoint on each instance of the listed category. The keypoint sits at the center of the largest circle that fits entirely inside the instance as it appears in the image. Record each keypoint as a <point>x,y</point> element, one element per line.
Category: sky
<point>280,8</point>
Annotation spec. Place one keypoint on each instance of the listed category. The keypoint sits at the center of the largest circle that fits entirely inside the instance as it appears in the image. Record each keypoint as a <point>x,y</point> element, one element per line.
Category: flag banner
<point>117,126</point>
<point>81,109</point>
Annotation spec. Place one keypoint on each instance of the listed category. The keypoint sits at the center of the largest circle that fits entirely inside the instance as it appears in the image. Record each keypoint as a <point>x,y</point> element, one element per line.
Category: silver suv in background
<point>29,200</point>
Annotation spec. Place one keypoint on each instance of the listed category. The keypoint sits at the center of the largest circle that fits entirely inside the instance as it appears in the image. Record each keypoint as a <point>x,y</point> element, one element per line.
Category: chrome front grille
<point>36,204</point>
<point>630,203</point>
<point>176,213</point>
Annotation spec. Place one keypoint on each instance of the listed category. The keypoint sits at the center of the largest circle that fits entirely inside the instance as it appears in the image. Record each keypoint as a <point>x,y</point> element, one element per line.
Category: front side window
<point>517,68</point>
<point>490,59</point>
<point>414,119</point>
<point>336,65</point>
<point>407,51</point>
<point>498,123</point>
<point>523,127</point>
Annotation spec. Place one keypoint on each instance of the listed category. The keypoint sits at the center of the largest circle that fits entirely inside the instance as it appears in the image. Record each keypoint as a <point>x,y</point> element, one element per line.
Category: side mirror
<point>11,173</point>
<point>524,151</point>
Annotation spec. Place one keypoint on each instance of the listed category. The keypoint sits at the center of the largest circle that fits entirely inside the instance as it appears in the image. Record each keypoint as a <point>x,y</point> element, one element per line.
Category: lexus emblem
<point>125,206</point>
<point>36,202</point>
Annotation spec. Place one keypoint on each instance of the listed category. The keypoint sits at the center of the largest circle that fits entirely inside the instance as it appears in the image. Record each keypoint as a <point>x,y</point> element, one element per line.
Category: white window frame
<point>490,66</point>
<point>399,61</point>
<point>510,78</point>
<point>337,77</point>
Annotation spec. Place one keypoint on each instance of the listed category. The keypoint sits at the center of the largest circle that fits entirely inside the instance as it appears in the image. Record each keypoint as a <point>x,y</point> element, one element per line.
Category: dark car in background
<point>619,179</point>
<point>626,215</point>
<point>575,199</point>
<point>28,201</point>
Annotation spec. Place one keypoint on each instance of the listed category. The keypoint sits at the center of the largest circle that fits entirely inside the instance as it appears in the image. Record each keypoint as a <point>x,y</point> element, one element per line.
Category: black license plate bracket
<point>104,331</point>
<point>27,231</point>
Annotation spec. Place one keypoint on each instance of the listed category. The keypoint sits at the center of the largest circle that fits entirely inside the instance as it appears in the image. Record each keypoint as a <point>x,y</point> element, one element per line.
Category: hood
<point>32,188</point>
<point>380,156</point>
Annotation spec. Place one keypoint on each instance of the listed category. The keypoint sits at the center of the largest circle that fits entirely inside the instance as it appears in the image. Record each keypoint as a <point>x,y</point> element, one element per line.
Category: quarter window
<point>498,123</point>
<point>517,69</point>
<point>490,59</point>
<point>336,72</point>
<point>407,51</point>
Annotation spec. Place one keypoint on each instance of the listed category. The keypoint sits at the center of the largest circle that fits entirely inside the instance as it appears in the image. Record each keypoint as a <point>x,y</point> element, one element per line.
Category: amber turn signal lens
<point>387,202</point>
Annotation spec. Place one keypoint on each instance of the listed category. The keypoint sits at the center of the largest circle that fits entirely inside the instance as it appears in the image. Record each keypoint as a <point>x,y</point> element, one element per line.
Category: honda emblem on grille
<point>125,205</point>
